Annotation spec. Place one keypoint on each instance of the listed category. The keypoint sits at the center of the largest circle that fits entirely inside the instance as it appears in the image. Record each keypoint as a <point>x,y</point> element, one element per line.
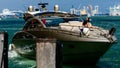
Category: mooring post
<point>3,50</point>
<point>46,53</point>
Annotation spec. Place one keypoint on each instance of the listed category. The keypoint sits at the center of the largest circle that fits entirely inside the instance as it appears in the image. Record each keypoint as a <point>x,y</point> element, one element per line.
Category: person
<point>43,20</point>
<point>87,23</point>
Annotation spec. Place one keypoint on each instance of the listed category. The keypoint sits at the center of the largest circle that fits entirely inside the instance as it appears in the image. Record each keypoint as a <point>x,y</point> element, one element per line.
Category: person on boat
<point>43,20</point>
<point>87,23</point>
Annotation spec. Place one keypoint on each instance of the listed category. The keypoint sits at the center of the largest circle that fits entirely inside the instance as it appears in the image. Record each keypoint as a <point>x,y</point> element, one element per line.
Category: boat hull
<point>83,52</point>
<point>73,52</point>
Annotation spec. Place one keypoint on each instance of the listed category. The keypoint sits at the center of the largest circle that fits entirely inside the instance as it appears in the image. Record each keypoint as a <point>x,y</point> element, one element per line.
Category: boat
<point>86,11</point>
<point>7,14</point>
<point>79,45</point>
<point>115,10</point>
<point>113,15</point>
<point>96,15</point>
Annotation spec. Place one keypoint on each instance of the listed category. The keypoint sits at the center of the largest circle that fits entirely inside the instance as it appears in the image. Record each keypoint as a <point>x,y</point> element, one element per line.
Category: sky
<point>65,5</point>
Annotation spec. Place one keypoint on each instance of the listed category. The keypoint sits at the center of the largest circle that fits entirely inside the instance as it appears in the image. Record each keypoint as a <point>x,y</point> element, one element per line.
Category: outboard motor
<point>43,6</point>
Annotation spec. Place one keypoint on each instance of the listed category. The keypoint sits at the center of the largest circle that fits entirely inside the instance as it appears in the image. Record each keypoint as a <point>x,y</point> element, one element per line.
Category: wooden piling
<point>3,50</point>
<point>46,53</point>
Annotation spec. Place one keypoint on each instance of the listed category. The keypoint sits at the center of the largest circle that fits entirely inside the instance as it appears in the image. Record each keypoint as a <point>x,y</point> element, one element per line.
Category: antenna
<point>42,5</point>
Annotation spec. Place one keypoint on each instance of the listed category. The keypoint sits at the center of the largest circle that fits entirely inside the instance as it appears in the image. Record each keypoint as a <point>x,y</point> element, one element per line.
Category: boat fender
<point>112,31</point>
<point>11,47</point>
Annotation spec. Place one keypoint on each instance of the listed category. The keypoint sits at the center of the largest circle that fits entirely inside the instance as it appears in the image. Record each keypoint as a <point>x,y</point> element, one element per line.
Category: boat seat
<point>71,26</point>
<point>75,23</point>
<point>71,23</point>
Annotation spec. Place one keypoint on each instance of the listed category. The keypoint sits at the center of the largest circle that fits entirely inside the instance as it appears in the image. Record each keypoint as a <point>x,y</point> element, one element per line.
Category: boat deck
<point>91,33</point>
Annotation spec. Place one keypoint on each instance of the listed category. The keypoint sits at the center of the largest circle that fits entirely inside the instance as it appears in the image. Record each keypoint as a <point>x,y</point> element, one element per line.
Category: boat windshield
<point>55,21</point>
<point>54,18</point>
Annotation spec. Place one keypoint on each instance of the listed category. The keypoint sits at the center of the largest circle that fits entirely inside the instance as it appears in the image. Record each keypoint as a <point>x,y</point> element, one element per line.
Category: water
<point>11,26</point>
<point>111,58</point>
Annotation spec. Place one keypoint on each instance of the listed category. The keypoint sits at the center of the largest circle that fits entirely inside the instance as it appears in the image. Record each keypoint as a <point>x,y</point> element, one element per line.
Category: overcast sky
<point>64,4</point>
